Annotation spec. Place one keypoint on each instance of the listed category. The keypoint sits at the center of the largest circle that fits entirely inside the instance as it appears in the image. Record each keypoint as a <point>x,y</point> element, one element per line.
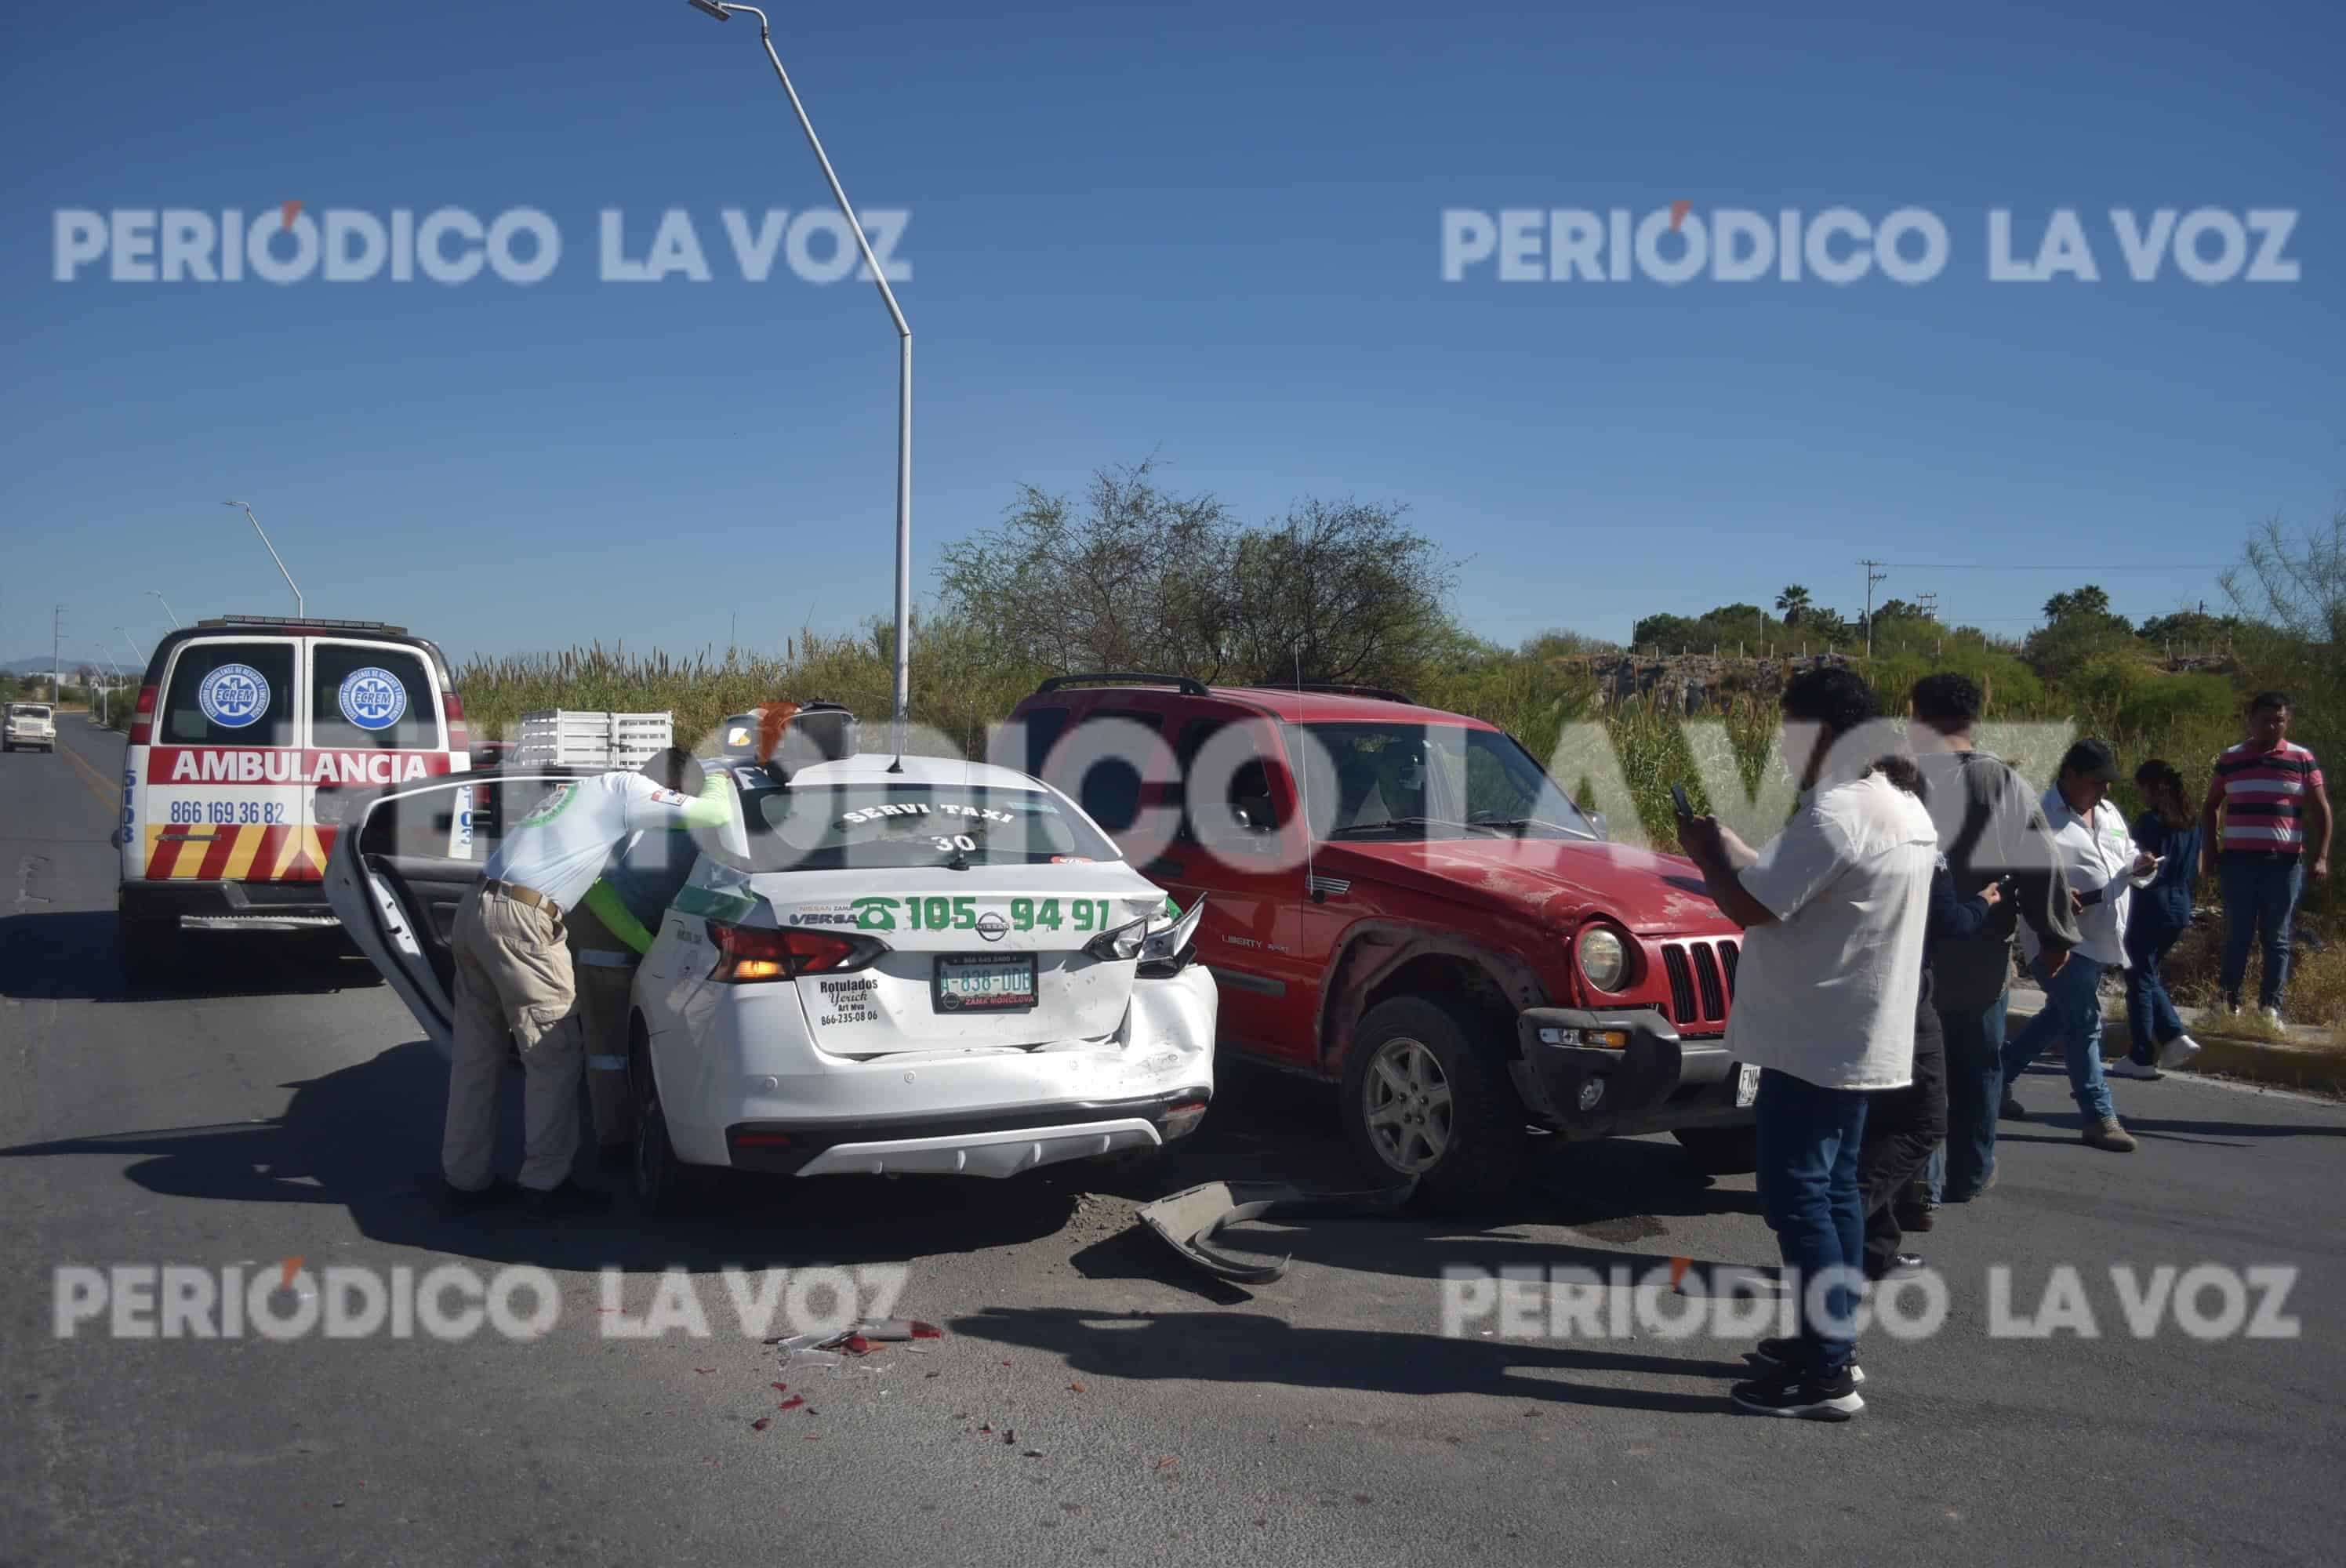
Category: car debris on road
<point>1186,1220</point>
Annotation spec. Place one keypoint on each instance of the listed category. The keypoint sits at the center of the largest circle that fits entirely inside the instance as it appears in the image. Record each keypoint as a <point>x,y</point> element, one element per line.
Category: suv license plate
<point>983,983</point>
<point>1746,1083</point>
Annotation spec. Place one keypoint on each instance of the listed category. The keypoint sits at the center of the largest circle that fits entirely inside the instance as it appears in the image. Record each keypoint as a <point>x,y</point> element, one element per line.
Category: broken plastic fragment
<point>1166,1463</point>
<point>704,1371</point>
<point>779,1388</point>
<point>926,1331</point>
<point>1075,1388</point>
<point>761,1423</point>
<point>793,1402</point>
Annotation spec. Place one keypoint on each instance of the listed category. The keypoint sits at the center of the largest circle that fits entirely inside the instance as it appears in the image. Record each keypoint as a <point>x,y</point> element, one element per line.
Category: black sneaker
<point>462,1200</point>
<point>2012,1110</point>
<point>568,1201</point>
<point>1900,1263</point>
<point>1785,1393</point>
<point>1783,1355</point>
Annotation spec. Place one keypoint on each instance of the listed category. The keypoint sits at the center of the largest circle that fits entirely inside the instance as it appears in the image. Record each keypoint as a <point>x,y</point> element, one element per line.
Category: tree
<point>1139,578</point>
<point>1340,591</point>
<point>1130,581</point>
<point>2078,604</point>
<point>1794,603</point>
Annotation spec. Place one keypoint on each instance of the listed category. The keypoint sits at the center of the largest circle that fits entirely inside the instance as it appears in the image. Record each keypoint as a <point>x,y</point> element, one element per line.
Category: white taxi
<point>242,722</point>
<point>919,966</point>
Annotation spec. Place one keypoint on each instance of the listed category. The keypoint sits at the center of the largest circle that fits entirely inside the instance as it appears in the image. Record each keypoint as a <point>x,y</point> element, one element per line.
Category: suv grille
<point>1702,980</point>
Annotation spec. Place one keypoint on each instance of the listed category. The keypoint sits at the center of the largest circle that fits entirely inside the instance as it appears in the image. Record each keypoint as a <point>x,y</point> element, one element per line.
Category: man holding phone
<point>1992,830</point>
<point>2102,864</point>
<point>1834,912</point>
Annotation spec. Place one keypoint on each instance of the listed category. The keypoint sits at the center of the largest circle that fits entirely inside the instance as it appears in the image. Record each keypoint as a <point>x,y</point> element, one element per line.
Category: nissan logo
<point>992,926</point>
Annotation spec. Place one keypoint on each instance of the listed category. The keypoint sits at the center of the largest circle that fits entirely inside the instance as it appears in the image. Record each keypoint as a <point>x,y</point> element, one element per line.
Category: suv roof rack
<point>1381,692</point>
<point>385,626</point>
<point>1188,686</point>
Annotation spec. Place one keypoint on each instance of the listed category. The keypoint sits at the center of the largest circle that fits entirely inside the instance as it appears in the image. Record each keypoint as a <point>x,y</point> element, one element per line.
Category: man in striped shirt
<point>2275,836</point>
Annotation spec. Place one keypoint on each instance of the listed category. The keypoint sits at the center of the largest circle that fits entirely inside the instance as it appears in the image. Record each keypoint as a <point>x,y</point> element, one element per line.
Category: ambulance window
<point>371,695</point>
<point>230,694</point>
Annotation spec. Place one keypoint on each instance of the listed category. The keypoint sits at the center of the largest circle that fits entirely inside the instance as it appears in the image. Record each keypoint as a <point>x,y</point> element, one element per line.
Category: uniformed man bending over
<point>513,973</point>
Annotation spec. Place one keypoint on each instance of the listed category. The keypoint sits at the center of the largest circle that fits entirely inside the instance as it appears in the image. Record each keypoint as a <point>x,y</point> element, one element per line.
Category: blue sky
<point>1206,231</point>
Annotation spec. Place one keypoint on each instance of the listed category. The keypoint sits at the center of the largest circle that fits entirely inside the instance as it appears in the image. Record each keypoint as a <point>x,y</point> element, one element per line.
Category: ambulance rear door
<point>222,796</point>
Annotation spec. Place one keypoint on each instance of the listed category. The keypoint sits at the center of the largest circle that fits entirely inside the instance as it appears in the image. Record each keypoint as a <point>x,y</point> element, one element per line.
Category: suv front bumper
<point>1653,1081</point>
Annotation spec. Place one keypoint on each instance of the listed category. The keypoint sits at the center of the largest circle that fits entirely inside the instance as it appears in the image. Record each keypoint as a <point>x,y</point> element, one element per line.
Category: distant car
<point>250,730</point>
<point>1443,934</point>
<point>928,967</point>
<point>29,725</point>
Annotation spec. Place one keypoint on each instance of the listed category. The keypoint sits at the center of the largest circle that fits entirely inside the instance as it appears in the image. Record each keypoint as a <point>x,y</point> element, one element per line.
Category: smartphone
<point>1678,798</point>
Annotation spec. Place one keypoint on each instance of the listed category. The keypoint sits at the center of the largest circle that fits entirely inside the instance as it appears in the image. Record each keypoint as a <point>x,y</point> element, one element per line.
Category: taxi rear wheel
<point>665,1186</point>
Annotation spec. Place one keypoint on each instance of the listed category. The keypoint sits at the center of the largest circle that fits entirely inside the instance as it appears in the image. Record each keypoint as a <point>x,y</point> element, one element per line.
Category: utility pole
<point>57,664</point>
<point>1873,575</point>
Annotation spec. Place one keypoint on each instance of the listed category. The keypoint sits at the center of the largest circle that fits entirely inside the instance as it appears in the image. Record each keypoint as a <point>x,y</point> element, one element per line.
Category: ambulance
<point>250,732</point>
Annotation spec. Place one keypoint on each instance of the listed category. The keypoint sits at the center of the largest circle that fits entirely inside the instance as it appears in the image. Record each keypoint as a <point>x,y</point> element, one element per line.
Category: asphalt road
<point>291,1111</point>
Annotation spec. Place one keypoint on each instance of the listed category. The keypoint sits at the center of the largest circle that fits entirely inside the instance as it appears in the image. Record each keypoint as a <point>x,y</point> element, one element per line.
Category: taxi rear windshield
<point>859,826</point>
<point>230,694</point>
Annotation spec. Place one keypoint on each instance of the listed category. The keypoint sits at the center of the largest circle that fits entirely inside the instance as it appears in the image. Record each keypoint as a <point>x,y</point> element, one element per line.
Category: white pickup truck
<point>29,724</point>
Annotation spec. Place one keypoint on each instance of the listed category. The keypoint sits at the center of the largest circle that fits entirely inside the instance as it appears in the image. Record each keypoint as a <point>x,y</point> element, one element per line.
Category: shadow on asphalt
<point>366,1139</point>
<point>1251,1347</point>
<point>68,956</point>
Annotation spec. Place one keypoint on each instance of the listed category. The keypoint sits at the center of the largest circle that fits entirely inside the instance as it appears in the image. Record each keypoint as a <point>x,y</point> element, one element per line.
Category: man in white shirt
<point>1835,910</point>
<point>514,974</point>
<point>2103,865</point>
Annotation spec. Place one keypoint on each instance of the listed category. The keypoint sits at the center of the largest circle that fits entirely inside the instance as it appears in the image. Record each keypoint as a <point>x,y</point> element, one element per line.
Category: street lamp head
<point>713,9</point>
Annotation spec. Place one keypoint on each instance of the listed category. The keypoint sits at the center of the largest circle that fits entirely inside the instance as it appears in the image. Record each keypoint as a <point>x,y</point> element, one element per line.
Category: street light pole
<point>169,613</point>
<point>133,646</point>
<point>298,614</point>
<point>723,10</point>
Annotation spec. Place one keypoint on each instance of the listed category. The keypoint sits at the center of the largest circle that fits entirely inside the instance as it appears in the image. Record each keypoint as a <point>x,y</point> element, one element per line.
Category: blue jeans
<point>1808,1140</point>
<point>2073,1016</point>
<point>2151,1018</point>
<point>1974,1091</point>
<point>2259,893</point>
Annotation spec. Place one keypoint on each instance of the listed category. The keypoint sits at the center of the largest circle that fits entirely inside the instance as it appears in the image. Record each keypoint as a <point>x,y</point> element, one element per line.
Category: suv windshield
<point>28,710</point>
<point>1404,780</point>
<point>860,826</point>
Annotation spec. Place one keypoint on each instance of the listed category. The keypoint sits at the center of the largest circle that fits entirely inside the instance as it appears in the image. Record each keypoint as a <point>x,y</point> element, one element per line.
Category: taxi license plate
<point>1746,1083</point>
<point>983,983</point>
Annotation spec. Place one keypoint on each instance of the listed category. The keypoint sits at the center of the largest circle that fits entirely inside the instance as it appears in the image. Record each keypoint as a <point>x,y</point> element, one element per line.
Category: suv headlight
<point>1604,958</point>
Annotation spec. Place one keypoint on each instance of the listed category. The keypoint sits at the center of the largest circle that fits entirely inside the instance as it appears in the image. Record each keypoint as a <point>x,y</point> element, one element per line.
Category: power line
<point>2031,566</point>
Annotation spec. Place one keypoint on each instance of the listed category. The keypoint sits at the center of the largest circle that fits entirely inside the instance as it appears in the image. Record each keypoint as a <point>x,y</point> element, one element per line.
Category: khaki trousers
<point>512,975</point>
<point>605,993</point>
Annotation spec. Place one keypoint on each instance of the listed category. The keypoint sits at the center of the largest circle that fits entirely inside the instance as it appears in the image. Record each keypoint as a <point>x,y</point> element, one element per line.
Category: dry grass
<point>2316,981</point>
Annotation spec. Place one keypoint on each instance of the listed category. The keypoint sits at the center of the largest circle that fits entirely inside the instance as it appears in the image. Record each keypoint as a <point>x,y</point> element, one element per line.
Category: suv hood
<point>1554,880</point>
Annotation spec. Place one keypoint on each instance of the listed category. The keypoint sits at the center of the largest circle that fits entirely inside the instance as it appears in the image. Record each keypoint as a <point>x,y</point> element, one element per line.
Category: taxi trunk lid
<point>992,957</point>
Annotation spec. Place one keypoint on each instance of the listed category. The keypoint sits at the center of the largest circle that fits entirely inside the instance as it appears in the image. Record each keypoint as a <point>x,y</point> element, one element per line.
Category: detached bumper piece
<point>1607,1073</point>
<point>1188,1220</point>
<point>998,1144</point>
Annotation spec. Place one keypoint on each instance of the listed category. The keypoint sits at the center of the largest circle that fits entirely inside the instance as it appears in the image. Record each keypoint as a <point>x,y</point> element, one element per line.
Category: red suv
<point>1399,900</point>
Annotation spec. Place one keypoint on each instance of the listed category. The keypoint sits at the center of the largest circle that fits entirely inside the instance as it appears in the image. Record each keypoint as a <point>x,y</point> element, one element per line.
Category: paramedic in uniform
<point>513,973</point>
<point>610,931</point>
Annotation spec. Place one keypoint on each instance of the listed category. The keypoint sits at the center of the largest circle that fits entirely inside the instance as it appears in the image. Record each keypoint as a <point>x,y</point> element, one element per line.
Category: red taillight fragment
<point>747,954</point>
<point>452,707</point>
<point>760,1140</point>
<point>793,1402</point>
<point>926,1331</point>
<point>142,727</point>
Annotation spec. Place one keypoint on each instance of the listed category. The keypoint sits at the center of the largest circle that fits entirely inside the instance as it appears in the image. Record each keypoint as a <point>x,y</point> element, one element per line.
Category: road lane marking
<point>109,795</point>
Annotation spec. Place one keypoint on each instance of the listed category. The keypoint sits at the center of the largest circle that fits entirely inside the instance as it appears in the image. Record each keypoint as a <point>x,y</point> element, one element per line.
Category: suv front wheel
<point>1425,1095</point>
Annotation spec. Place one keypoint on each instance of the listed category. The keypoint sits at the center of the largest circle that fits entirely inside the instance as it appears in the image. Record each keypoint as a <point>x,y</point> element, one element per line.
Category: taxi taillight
<point>142,728</point>
<point>747,954</point>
